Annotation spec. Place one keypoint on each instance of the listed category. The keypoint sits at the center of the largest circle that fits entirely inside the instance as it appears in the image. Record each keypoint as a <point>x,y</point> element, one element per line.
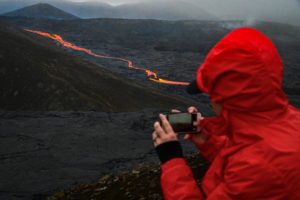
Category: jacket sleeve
<point>177,181</point>
<point>215,130</point>
<point>247,179</point>
<point>212,146</point>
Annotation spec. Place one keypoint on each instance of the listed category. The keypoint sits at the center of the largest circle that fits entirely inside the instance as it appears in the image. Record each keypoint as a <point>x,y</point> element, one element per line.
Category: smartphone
<point>183,122</point>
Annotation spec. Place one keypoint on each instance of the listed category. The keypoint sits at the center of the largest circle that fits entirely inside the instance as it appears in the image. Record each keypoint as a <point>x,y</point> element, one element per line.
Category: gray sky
<point>112,2</point>
<point>284,11</point>
<point>118,2</point>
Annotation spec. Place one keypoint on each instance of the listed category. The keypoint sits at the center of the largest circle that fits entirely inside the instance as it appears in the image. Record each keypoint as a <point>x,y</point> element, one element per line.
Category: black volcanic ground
<point>37,76</point>
<point>42,152</point>
<point>172,49</point>
<point>46,152</point>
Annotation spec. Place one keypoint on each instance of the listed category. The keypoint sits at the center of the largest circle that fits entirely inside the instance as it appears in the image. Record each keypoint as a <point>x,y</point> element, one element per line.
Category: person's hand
<point>198,138</point>
<point>163,134</point>
<point>175,111</point>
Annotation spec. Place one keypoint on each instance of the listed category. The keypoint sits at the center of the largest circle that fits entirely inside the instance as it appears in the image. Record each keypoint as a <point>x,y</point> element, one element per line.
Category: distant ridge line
<point>42,11</point>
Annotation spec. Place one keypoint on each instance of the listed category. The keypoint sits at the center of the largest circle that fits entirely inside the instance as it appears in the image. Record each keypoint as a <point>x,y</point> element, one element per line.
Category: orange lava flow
<point>150,74</point>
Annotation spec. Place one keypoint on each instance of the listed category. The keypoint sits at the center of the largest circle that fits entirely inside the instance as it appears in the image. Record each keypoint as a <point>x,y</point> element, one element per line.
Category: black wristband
<point>168,151</point>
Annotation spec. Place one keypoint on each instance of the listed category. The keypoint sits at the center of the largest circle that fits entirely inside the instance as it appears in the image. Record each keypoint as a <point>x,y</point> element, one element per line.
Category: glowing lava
<point>150,74</point>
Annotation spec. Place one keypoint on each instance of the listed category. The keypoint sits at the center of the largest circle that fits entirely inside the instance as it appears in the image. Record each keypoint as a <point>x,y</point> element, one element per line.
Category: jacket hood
<point>243,72</point>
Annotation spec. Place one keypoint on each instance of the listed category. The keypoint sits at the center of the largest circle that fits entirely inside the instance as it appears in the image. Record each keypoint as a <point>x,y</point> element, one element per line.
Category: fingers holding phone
<point>163,132</point>
<point>198,138</point>
<point>178,123</point>
<point>192,109</point>
<point>175,111</point>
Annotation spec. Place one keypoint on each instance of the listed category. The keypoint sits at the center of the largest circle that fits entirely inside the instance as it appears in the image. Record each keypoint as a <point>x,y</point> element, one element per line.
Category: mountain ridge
<point>41,11</point>
<point>165,10</point>
<point>229,10</point>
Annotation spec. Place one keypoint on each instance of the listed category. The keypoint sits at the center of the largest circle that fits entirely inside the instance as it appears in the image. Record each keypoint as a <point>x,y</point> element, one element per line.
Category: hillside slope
<point>166,45</point>
<point>41,11</point>
<point>36,77</point>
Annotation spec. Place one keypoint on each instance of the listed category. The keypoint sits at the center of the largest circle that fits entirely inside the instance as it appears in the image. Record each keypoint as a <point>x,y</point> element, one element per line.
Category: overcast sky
<point>112,2</point>
<point>230,2</point>
<point>284,11</point>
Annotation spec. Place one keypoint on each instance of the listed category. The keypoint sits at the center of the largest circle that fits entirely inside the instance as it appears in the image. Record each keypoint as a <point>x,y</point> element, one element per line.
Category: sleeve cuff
<point>168,151</point>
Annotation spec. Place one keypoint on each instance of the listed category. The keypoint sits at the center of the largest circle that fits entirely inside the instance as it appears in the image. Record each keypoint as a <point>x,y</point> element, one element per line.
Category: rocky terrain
<point>173,49</point>
<point>46,152</point>
<point>44,78</point>
<point>43,153</point>
<point>142,182</point>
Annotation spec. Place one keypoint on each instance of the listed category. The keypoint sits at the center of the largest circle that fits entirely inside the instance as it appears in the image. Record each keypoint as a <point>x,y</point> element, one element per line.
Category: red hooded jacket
<point>254,144</point>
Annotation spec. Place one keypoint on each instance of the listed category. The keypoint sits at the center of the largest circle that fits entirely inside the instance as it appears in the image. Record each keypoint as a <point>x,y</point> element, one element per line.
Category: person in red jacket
<point>253,143</point>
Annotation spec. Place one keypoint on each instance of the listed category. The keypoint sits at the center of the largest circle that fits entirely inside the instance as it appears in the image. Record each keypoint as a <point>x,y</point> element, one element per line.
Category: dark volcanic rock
<point>38,77</point>
<point>42,153</point>
<point>173,49</point>
<point>46,152</point>
<point>140,183</point>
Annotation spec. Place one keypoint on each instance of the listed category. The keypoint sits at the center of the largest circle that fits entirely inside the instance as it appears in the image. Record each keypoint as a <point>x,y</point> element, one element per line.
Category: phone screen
<point>183,122</point>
